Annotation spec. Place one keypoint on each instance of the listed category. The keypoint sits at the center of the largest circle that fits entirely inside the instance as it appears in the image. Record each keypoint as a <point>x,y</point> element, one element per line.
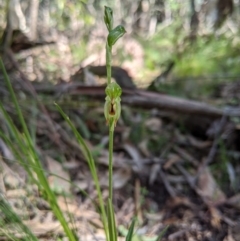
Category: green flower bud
<point>115,34</point>
<point>113,90</point>
<point>112,107</point>
<point>108,18</point>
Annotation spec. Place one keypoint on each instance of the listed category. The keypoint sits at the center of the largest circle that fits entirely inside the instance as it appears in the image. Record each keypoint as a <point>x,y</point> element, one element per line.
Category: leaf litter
<point>169,169</point>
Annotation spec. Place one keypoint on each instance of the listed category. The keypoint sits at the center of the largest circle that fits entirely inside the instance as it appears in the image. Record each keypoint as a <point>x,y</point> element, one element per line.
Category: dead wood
<point>119,74</point>
<point>148,99</point>
<point>143,99</point>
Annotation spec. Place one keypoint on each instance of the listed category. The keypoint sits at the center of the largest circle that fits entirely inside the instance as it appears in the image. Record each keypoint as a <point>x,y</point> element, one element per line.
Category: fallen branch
<point>141,98</point>
<point>147,99</point>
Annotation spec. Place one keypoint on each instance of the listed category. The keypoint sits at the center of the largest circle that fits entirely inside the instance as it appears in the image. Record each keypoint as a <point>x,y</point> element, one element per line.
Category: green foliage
<point>108,18</point>
<point>199,65</point>
<point>65,12</point>
<point>115,34</point>
<point>79,51</point>
<point>210,56</point>
<point>129,236</point>
<point>174,5</point>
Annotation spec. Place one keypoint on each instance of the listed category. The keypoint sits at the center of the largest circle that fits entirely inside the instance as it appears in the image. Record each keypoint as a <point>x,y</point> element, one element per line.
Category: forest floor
<point>171,169</point>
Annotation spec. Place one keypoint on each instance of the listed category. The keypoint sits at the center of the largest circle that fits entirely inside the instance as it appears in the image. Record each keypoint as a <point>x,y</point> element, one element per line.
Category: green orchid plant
<point>112,107</point>
<point>112,111</point>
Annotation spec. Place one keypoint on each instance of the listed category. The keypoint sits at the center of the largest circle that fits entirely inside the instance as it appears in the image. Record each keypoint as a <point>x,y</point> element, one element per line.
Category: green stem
<point>111,125</point>
<point>108,62</point>
<point>110,162</point>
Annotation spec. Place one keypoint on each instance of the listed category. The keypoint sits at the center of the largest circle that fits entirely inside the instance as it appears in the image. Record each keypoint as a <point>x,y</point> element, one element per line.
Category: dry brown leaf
<point>96,222</point>
<point>143,147</point>
<point>154,173</point>
<point>71,165</point>
<point>134,153</point>
<point>11,178</point>
<point>234,201</point>
<point>118,160</point>
<point>43,228</point>
<point>209,188</point>
<point>197,143</point>
<point>215,217</point>
<point>185,155</point>
<point>127,211</point>
<point>157,217</point>
<point>172,159</point>
<point>121,177</point>
<point>56,182</point>
<point>80,185</point>
<point>11,181</point>
<point>154,124</point>
<point>71,206</point>
<point>236,232</point>
<point>231,173</point>
<point>177,201</point>
<point>137,195</point>
<point>17,193</point>
<point>229,238</point>
<point>5,151</point>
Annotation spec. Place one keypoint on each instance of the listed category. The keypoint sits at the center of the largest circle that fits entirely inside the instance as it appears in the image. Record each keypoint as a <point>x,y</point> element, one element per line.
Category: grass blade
<point>162,233</point>
<point>87,154</point>
<point>32,157</point>
<point>130,231</point>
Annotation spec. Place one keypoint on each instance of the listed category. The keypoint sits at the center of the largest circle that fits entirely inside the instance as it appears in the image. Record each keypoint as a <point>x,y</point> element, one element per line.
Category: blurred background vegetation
<point>195,42</point>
